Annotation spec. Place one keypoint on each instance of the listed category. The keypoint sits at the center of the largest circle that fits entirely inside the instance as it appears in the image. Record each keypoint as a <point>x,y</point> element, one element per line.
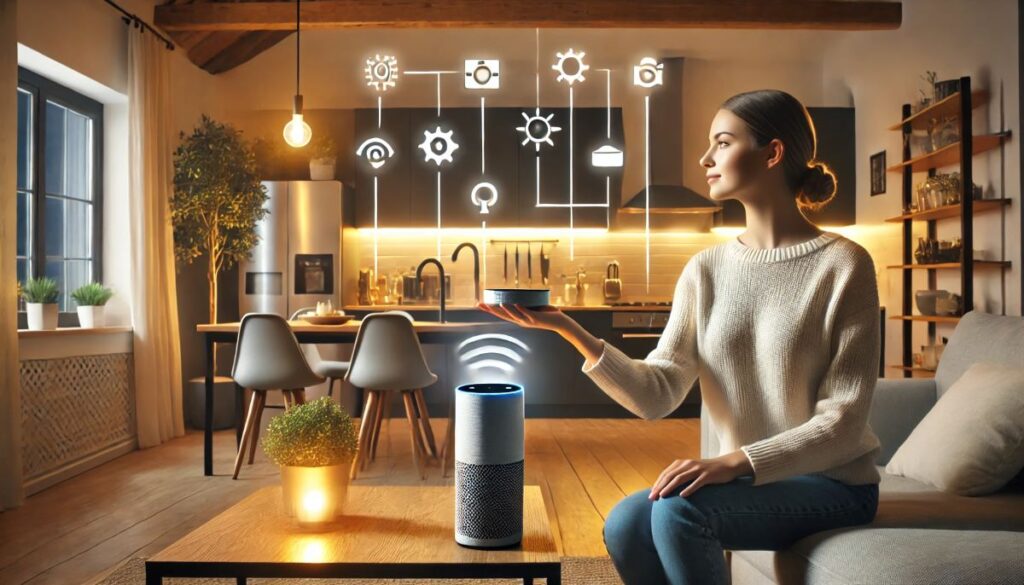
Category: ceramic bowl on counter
<point>527,297</point>
<point>936,302</point>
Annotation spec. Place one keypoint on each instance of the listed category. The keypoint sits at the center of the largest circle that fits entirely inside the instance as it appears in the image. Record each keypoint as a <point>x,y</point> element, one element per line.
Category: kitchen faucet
<point>476,266</point>
<point>419,281</point>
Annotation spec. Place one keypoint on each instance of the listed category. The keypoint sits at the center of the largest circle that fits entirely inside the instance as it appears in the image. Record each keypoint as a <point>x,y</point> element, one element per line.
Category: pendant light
<point>297,132</point>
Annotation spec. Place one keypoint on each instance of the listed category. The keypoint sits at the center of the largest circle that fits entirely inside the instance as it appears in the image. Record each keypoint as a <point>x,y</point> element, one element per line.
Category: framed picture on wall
<point>878,173</point>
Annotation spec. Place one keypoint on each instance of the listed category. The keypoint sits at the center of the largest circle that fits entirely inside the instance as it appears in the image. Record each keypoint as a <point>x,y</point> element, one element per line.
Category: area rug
<point>575,571</point>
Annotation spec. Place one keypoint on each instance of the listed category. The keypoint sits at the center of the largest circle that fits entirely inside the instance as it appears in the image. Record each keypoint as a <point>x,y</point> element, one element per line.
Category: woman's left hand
<point>702,472</point>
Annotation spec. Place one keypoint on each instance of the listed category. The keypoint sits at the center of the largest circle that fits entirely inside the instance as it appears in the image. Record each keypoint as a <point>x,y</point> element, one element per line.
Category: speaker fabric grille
<point>489,500</point>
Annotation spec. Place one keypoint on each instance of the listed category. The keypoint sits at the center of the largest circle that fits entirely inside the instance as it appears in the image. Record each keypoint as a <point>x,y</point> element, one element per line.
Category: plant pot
<point>90,316</point>
<point>41,316</point>
<point>315,495</point>
<point>321,169</point>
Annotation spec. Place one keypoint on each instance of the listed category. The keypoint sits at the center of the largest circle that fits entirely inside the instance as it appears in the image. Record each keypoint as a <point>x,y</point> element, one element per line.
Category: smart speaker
<point>489,457</point>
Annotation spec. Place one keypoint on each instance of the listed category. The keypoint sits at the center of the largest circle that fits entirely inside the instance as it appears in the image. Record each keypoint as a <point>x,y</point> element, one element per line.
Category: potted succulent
<point>324,156</point>
<point>40,296</point>
<point>91,298</point>
<point>314,444</point>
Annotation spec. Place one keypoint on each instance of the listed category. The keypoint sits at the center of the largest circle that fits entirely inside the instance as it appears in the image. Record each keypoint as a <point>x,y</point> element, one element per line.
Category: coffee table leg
<point>153,577</point>
<point>555,579</point>
<point>527,580</point>
<point>240,580</point>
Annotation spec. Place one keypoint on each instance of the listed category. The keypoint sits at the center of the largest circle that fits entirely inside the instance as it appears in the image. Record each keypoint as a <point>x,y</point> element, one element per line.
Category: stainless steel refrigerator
<point>297,259</point>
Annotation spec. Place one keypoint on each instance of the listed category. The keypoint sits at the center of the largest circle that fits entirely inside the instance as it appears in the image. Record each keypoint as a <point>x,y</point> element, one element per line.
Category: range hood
<point>668,195</point>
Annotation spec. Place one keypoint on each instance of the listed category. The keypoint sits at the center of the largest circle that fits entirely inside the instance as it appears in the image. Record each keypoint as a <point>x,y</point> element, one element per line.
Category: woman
<point>781,326</point>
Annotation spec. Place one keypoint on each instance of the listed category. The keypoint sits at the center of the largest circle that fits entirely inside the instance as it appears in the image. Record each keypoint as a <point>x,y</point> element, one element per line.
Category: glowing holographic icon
<point>381,72</point>
<point>648,73</point>
<point>485,204</point>
<point>607,156</point>
<point>376,151</point>
<point>537,129</point>
<point>438,146</point>
<point>483,73</point>
<point>495,351</point>
<point>570,66</point>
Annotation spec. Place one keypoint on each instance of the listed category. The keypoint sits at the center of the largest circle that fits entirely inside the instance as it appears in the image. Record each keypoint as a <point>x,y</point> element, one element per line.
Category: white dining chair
<point>387,358</point>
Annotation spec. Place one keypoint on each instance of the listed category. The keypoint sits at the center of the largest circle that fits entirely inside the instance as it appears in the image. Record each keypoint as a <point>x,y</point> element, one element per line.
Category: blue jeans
<point>679,541</point>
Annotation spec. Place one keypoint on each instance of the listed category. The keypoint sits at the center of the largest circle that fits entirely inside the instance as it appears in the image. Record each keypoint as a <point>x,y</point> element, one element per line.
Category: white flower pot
<point>315,495</point>
<point>90,317</point>
<point>321,169</point>
<point>41,316</point>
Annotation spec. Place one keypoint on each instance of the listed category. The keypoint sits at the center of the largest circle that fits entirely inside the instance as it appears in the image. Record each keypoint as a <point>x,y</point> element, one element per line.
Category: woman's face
<point>733,162</point>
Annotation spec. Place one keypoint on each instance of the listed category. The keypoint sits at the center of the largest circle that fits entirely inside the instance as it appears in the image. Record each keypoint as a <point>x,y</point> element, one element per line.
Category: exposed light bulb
<point>297,132</point>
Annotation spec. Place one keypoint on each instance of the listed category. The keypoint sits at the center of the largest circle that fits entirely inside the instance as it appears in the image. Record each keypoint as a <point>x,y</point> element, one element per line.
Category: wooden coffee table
<point>397,532</point>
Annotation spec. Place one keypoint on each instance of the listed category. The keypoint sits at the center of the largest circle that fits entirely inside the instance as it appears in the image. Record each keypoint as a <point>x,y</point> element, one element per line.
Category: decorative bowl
<point>527,297</point>
<point>314,319</point>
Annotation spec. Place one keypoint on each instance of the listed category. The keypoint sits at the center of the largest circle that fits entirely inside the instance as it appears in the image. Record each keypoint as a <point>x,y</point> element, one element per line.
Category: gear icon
<point>438,145</point>
<point>575,72</point>
<point>381,72</point>
<point>537,129</point>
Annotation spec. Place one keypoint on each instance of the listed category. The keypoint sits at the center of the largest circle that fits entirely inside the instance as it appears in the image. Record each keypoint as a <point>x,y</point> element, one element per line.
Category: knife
<point>506,264</point>
<point>517,265</point>
<point>529,262</point>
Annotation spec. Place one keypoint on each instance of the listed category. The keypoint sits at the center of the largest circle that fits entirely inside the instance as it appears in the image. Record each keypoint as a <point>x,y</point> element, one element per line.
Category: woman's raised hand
<point>547,317</point>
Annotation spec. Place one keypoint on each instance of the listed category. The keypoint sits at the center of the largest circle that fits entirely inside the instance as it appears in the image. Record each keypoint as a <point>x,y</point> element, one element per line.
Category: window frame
<point>42,91</point>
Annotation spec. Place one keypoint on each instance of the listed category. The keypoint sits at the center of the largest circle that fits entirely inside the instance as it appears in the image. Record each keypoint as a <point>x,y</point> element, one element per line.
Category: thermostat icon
<point>606,156</point>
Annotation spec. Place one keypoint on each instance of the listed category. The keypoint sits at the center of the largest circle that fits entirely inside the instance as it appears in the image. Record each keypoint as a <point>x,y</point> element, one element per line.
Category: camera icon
<point>482,73</point>
<point>648,73</point>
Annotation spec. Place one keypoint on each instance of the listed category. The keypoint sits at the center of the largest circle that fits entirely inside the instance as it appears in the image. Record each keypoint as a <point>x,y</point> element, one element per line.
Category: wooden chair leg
<point>448,449</point>
<point>382,406</point>
<point>249,420</point>
<point>330,387</point>
<point>298,396</point>
<point>410,415</point>
<point>364,425</point>
<point>373,418</point>
<point>286,397</point>
<point>424,420</point>
<point>256,428</point>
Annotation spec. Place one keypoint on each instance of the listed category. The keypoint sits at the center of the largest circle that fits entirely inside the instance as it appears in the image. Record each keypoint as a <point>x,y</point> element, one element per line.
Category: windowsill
<point>70,331</point>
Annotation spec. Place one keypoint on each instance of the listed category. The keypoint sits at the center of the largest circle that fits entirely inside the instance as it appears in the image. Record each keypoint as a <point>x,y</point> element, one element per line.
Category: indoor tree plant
<point>40,296</point>
<point>324,155</point>
<point>314,444</point>
<point>217,200</point>
<point>91,298</point>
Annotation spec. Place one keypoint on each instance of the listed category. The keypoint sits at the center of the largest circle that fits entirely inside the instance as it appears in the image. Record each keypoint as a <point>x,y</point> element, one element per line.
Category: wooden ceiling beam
<point>245,48</point>
<point>342,14</point>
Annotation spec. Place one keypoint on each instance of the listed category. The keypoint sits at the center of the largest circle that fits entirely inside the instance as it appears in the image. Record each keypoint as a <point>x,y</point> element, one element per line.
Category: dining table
<point>213,333</point>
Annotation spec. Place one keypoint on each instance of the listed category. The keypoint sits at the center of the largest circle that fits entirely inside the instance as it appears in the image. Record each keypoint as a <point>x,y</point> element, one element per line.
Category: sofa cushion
<point>972,441</point>
<point>906,556</point>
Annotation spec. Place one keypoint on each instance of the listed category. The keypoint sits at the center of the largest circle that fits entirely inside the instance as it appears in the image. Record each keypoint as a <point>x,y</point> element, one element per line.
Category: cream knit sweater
<point>785,342</point>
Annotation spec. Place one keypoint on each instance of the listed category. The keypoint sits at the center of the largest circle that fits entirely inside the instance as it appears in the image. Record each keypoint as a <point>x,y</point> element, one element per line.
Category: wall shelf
<point>948,265</point>
<point>928,318</point>
<point>950,154</point>
<point>947,211</point>
<point>949,106</point>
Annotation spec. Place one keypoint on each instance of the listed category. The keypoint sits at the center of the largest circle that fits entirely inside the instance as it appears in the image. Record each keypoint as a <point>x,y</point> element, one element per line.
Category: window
<point>60,141</point>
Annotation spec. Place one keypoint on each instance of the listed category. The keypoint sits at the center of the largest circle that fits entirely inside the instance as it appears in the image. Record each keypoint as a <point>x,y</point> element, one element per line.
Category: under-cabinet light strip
<point>375,228</point>
<point>572,240</point>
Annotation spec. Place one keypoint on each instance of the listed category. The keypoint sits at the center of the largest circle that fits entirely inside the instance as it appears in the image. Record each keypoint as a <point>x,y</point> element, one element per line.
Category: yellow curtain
<point>158,388</point>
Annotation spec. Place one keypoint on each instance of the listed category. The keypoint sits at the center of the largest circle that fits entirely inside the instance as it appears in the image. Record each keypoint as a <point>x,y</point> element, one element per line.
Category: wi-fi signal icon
<point>495,352</point>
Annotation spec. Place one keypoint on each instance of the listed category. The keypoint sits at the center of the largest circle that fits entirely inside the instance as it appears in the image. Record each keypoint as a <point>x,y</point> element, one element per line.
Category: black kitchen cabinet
<point>837,146</point>
<point>407,182</point>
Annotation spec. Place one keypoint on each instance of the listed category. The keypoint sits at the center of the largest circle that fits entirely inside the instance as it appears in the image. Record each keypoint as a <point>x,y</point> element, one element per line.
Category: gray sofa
<point>920,535</point>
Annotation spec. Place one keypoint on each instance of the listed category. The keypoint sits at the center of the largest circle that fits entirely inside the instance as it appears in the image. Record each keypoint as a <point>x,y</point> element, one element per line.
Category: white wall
<point>878,72</point>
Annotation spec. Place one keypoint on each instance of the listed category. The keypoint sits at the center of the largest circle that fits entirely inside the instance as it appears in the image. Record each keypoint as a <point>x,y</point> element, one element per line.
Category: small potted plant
<point>314,444</point>
<point>324,156</point>
<point>91,298</point>
<point>40,296</point>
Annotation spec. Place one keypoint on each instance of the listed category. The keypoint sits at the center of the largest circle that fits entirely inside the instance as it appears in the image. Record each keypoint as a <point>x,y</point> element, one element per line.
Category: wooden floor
<point>136,505</point>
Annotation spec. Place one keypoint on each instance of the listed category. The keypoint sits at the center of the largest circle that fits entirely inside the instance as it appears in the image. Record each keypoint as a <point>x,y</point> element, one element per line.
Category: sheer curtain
<point>158,388</point>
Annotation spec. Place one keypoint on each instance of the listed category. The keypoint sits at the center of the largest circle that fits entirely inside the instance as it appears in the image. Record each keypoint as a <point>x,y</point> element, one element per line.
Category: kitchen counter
<point>570,308</point>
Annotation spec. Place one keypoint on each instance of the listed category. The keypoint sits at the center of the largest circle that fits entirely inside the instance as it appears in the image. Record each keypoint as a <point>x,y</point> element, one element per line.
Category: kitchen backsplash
<point>400,251</point>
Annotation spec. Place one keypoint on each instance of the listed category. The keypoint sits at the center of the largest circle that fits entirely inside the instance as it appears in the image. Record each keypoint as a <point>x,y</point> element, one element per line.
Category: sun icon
<point>537,129</point>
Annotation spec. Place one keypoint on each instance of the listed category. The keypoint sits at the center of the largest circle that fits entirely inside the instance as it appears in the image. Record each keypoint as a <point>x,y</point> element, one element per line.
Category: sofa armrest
<point>898,405</point>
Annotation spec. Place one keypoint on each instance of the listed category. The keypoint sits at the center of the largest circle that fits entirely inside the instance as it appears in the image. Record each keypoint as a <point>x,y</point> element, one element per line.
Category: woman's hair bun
<point>817,188</point>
